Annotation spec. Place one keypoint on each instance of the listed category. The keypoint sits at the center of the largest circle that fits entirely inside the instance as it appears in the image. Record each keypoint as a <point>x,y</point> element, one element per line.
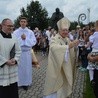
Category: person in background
<point>93,64</point>
<point>27,40</point>
<point>37,34</point>
<point>82,51</point>
<point>48,34</point>
<point>43,46</point>
<point>59,74</point>
<point>9,58</point>
<point>94,82</point>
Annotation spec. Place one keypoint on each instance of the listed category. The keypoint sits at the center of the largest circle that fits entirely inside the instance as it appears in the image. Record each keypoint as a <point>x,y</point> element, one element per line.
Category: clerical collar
<point>5,35</point>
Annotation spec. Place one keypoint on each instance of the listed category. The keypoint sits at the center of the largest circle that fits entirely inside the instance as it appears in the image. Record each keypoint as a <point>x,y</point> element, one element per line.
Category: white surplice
<point>25,65</point>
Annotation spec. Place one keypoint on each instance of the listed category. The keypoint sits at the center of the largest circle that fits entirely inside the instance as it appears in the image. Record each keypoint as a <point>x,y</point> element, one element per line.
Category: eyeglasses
<point>10,26</point>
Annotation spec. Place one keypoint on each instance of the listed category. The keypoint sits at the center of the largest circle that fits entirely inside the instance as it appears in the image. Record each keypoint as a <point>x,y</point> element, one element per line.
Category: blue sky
<point>70,8</point>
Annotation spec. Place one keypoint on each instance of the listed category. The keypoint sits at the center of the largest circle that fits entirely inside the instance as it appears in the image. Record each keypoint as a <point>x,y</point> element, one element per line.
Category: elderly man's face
<point>8,26</point>
<point>64,32</point>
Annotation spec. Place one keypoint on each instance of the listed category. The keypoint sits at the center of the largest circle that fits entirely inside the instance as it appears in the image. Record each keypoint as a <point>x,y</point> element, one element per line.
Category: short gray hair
<point>4,20</point>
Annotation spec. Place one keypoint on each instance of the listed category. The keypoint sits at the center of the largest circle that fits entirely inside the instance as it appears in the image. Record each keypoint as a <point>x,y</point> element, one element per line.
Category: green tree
<point>23,13</point>
<point>73,25</point>
<point>36,15</point>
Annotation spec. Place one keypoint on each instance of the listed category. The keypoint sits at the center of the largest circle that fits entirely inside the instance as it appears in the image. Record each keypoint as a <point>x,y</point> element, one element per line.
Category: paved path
<point>36,89</point>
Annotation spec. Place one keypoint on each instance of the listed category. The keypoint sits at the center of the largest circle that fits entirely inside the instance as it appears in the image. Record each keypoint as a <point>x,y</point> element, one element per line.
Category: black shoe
<point>25,87</point>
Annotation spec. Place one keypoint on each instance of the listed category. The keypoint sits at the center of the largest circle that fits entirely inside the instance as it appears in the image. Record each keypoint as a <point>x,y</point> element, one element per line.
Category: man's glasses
<point>10,26</point>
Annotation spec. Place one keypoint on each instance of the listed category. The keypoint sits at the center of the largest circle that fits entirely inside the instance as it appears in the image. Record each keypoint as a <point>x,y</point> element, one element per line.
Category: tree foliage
<point>36,15</point>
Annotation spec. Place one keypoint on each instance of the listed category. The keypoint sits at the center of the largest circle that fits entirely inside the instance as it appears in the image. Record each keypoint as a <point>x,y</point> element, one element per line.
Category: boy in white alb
<point>27,40</point>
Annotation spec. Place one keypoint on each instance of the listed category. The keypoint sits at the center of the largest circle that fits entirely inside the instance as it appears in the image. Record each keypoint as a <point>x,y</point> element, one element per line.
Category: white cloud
<point>70,8</point>
<point>11,9</point>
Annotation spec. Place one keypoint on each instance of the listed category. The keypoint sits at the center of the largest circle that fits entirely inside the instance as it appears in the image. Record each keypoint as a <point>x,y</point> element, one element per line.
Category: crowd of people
<point>63,47</point>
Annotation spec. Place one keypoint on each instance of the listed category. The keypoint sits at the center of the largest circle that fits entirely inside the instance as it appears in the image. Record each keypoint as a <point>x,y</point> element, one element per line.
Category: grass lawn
<point>88,92</point>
